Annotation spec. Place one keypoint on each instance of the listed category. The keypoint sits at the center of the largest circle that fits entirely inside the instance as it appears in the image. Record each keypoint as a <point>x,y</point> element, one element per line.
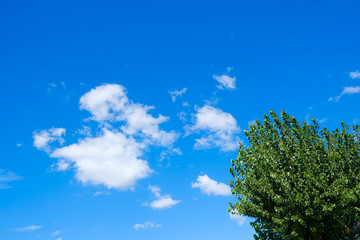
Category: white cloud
<point>139,122</point>
<point>346,91</point>
<point>44,137</point>
<point>354,75</point>
<point>169,152</point>
<point>6,177</point>
<point>161,201</point>
<point>110,103</point>
<point>59,239</point>
<point>239,219</point>
<point>185,104</point>
<point>85,131</point>
<point>225,81</point>
<point>211,187</point>
<point>146,225</point>
<point>322,120</point>
<point>219,127</point>
<point>114,157</point>
<point>57,232</point>
<point>177,93</point>
<point>62,165</point>
<point>182,116</point>
<point>155,190</point>
<point>19,144</point>
<point>29,228</point>
<point>103,102</point>
<point>111,159</point>
<point>101,193</point>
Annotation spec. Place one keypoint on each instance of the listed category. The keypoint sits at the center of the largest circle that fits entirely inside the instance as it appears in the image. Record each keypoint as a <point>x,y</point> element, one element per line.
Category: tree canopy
<point>298,181</point>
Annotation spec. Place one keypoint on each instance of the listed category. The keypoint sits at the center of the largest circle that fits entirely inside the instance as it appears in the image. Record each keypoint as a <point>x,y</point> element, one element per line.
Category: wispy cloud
<point>146,225</point>
<point>57,232</point>
<point>101,193</point>
<point>211,187</point>
<point>29,228</point>
<point>6,177</point>
<point>346,91</point>
<point>322,120</point>
<point>177,93</point>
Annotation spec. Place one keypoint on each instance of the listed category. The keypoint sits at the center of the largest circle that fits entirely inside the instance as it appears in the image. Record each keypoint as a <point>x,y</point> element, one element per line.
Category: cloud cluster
<point>146,225</point>
<point>211,187</point>
<point>161,201</point>
<point>219,128</point>
<point>114,157</point>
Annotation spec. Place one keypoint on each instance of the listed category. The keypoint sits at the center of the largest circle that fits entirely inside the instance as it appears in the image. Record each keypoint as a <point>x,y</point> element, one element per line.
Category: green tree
<point>298,181</point>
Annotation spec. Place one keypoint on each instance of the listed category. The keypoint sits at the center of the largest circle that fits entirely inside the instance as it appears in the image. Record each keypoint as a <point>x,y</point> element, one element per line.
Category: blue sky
<point>120,118</point>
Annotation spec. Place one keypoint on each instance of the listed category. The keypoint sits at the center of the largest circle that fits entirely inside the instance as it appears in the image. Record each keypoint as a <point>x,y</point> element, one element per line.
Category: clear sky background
<point>120,118</point>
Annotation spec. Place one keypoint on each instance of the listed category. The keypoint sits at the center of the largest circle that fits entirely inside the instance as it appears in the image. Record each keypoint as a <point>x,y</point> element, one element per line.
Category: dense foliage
<point>298,181</point>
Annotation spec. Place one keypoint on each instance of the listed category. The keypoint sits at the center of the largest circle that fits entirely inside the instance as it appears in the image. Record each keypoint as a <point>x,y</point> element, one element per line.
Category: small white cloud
<point>59,239</point>
<point>225,81</point>
<point>29,228</point>
<point>57,232</point>
<point>219,129</point>
<point>51,86</point>
<point>354,75</point>
<point>346,91</point>
<point>161,202</point>
<point>62,165</point>
<point>177,93</point>
<point>185,104</point>
<point>63,84</point>
<point>146,225</point>
<point>103,102</point>
<point>182,116</point>
<point>6,177</point>
<point>19,144</point>
<point>169,152</point>
<point>155,190</point>
<point>211,187</point>
<point>44,137</point>
<point>101,193</point>
<point>239,219</point>
<point>322,120</point>
<point>229,69</point>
